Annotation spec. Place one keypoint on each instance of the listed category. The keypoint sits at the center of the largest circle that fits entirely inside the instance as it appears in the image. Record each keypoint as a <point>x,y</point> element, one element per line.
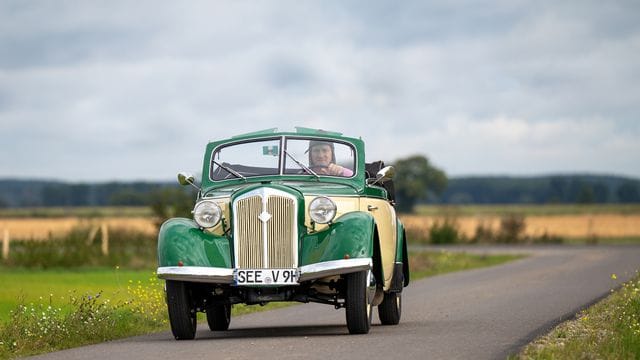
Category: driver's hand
<point>335,170</point>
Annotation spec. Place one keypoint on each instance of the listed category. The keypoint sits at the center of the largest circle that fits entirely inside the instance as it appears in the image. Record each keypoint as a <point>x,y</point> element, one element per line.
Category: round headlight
<point>322,210</point>
<point>207,213</point>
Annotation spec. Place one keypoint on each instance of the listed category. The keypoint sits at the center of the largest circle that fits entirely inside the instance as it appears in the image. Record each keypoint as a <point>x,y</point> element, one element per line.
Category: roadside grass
<point>431,263</point>
<point>54,309</point>
<point>594,240</point>
<point>48,316</point>
<point>609,329</point>
<point>54,286</point>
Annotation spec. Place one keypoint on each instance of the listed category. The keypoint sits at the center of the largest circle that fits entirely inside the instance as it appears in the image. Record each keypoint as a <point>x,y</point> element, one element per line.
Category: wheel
<point>358,301</point>
<point>219,317</point>
<point>182,314</point>
<point>390,309</point>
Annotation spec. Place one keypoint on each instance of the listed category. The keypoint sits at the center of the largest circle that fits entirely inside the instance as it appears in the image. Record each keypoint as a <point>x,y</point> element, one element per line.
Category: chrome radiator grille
<point>265,230</point>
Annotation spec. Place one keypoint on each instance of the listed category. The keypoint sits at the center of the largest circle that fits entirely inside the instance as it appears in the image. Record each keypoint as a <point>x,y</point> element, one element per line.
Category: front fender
<point>182,243</point>
<point>350,236</point>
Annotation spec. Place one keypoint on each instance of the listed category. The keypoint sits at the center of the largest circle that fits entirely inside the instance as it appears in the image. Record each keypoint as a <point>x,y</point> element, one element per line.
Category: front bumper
<point>215,275</point>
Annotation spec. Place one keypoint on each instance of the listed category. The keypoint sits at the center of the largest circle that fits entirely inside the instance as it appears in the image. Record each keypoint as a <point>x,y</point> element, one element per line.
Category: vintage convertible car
<point>285,216</point>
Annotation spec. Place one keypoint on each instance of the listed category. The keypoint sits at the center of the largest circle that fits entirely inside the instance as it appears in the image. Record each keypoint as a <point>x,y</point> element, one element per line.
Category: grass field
<point>56,286</point>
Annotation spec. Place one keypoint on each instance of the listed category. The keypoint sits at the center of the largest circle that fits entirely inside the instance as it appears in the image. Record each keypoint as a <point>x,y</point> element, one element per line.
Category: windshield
<point>321,156</point>
<point>255,158</point>
<point>301,156</point>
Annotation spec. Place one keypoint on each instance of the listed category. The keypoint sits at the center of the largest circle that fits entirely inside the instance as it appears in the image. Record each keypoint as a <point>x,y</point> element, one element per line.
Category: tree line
<point>417,181</point>
<point>35,193</point>
<point>557,189</point>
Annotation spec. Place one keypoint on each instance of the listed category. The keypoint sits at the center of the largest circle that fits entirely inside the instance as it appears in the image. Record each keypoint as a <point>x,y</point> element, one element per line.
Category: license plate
<point>266,277</point>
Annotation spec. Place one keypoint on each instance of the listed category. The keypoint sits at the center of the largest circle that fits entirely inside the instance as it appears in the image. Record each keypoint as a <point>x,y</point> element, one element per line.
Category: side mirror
<point>185,179</point>
<point>386,173</point>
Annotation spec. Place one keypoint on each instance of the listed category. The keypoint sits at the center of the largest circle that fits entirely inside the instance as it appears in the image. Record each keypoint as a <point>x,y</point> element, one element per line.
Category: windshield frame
<point>282,141</point>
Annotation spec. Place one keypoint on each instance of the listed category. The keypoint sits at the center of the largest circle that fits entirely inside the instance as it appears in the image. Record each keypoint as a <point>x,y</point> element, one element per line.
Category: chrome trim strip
<point>334,267</point>
<point>196,274</point>
<point>225,275</point>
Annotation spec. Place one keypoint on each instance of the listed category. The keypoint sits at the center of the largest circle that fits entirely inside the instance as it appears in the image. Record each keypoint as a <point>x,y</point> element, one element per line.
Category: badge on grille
<point>264,216</point>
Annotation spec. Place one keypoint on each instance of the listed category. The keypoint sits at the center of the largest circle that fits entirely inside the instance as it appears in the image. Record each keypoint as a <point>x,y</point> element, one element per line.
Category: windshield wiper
<point>303,166</point>
<point>230,170</point>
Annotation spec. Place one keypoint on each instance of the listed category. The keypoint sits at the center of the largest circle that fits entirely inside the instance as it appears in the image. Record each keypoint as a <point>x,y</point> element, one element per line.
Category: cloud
<point>111,90</point>
<point>528,148</point>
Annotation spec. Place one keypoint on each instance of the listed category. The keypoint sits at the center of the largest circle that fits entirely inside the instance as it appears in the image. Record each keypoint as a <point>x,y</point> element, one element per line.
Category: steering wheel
<point>313,168</point>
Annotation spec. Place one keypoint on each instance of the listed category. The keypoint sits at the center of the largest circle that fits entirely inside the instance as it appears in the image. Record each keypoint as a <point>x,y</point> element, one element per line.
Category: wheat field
<point>568,226</point>
<point>44,228</point>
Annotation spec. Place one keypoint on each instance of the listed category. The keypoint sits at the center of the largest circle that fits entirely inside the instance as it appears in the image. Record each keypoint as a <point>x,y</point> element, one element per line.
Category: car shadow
<point>274,332</point>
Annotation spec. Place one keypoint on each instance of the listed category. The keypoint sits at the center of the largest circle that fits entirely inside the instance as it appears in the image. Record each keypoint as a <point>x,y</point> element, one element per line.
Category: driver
<point>322,159</point>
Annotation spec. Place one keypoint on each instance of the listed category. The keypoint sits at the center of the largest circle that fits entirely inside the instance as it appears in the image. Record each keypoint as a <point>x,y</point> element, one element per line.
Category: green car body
<point>284,232</point>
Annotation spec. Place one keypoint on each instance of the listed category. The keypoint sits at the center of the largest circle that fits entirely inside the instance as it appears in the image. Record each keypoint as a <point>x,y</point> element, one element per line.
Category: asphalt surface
<point>486,313</point>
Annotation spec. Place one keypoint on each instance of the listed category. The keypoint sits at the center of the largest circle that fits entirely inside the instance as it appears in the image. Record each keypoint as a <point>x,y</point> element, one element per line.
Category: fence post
<point>105,239</point>
<point>92,235</point>
<point>5,244</point>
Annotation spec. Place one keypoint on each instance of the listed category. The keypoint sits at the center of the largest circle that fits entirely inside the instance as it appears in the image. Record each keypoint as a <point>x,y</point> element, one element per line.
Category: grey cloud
<point>283,73</point>
<point>143,91</point>
<point>69,48</point>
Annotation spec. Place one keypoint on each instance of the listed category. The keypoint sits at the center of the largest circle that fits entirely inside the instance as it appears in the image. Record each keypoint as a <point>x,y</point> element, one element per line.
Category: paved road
<point>480,314</point>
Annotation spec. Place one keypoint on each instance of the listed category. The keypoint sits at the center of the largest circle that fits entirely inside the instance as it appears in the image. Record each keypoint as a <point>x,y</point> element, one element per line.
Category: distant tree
<point>415,180</point>
<point>56,195</point>
<point>628,192</point>
<point>79,195</point>
<point>558,189</point>
<point>3,203</point>
<point>129,197</point>
<point>600,192</point>
<point>586,195</point>
<point>171,202</point>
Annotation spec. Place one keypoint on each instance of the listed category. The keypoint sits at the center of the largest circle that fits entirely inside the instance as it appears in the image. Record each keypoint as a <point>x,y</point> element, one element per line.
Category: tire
<point>182,314</point>
<point>358,303</point>
<point>219,317</point>
<point>390,309</point>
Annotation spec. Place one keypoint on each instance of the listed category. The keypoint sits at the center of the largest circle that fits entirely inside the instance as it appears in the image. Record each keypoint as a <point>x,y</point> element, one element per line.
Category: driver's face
<point>321,155</point>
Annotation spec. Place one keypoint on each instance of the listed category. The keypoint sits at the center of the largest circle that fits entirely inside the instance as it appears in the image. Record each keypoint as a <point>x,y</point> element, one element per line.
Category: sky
<point>134,90</point>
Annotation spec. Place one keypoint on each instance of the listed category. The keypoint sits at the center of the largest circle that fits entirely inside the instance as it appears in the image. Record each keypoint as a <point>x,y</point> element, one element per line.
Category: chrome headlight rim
<point>322,210</point>
<point>207,214</point>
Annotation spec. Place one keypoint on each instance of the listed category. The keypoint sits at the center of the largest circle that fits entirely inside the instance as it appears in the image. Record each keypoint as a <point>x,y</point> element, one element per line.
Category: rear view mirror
<point>270,150</point>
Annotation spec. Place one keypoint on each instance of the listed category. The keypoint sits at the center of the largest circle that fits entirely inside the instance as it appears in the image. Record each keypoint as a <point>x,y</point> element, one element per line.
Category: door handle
<point>371,207</point>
